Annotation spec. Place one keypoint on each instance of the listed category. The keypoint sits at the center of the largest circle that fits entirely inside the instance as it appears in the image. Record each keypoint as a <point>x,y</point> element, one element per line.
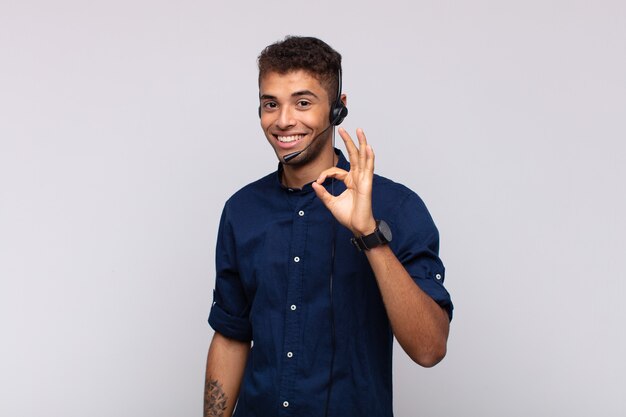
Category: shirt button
<point>296,259</point>
<point>285,404</point>
<point>438,276</point>
<point>293,307</point>
<point>301,213</point>
<point>290,354</point>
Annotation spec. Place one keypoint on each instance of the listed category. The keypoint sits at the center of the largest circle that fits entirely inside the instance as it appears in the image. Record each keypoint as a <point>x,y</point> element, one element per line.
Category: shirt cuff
<point>437,292</point>
<point>233,327</point>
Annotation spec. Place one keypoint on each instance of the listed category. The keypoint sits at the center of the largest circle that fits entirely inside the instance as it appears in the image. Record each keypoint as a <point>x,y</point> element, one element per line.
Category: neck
<point>299,176</point>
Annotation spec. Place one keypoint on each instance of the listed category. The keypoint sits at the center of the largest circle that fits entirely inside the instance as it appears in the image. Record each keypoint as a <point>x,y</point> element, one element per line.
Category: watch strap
<point>367,242</point>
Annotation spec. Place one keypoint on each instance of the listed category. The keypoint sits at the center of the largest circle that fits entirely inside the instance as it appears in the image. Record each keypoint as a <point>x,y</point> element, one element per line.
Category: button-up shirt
<point>290,281</point>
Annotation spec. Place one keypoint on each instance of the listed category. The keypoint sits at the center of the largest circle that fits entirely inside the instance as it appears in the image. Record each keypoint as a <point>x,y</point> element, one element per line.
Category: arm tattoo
<point>214,399</point>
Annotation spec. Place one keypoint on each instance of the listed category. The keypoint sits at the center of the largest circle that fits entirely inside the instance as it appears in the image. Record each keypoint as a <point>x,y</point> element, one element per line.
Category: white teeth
<point>287,139</point>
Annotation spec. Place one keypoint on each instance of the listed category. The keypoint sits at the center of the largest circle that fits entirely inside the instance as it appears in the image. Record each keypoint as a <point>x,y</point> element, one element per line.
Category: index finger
<point>353,152</point>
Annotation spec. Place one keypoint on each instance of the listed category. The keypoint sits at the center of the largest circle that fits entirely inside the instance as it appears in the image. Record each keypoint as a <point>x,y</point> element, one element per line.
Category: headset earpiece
<point>338,112</point>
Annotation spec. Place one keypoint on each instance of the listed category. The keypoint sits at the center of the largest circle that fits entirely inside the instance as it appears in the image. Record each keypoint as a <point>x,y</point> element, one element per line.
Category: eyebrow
<point>304,93</point>
<point>295,94</point>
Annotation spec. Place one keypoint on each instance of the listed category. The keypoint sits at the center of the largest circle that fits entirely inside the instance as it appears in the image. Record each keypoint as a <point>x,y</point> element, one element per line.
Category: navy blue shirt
<point>274,261</point>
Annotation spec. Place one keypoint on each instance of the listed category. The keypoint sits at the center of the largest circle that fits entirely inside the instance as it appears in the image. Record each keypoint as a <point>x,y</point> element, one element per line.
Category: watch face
<point>384,229</point>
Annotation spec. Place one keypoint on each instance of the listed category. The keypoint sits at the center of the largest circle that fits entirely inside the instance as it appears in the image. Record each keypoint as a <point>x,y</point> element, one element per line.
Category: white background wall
<point>124,126</point>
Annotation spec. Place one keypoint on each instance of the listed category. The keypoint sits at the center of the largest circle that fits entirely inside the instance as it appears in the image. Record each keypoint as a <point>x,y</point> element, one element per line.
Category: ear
<point>344,100</point>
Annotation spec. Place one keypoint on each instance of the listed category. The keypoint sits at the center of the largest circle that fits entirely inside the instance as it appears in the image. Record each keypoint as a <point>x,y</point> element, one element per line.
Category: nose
<point>285,118</point>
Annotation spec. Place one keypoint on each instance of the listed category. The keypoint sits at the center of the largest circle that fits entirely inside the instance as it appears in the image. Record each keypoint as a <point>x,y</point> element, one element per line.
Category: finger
<point>362,148</point>
<point>370,158</point>
<point>322,194</point>
<point>333,172</point>
<point>353,152</point>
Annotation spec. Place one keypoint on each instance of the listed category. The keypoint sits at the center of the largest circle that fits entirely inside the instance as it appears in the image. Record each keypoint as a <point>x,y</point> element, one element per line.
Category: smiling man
<point>319,264</point>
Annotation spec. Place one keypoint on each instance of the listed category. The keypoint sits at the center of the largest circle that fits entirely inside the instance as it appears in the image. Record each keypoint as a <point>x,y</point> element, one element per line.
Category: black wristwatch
<point>381,236</point>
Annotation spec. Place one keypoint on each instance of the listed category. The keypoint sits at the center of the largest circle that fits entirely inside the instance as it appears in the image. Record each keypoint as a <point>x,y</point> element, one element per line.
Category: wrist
<point>380,236</point>
<point>366,229</point>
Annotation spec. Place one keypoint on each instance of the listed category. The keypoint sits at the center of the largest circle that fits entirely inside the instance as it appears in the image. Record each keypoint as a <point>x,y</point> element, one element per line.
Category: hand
<point>353,207</point>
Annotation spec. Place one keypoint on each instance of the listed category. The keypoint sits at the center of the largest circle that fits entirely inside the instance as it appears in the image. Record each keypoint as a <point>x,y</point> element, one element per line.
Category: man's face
<point>294,111</point>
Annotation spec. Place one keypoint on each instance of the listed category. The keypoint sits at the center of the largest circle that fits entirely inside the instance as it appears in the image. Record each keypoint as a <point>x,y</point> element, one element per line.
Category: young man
<point>319,264</point>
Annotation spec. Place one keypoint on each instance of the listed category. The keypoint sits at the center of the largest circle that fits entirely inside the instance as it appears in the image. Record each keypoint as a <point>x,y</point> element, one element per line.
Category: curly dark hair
<point>303,53</point>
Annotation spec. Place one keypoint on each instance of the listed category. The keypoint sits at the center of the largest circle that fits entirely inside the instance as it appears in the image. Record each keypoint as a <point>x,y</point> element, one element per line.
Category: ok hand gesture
<point>353,207</point>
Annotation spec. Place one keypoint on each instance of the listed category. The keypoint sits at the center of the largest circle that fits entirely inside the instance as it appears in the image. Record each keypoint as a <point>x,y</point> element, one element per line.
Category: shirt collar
<point>342,163</point>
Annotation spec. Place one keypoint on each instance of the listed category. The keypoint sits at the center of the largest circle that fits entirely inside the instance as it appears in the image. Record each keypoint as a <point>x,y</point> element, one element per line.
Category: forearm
<point>419,324</point>
<point>226,362</point>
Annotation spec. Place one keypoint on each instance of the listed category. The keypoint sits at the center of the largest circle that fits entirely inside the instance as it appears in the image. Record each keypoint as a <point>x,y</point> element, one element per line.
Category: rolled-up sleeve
<point>229,314</point>
<point>416,244</point>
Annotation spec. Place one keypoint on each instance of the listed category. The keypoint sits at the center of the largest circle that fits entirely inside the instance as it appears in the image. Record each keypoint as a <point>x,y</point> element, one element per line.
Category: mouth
<point>288,139</point>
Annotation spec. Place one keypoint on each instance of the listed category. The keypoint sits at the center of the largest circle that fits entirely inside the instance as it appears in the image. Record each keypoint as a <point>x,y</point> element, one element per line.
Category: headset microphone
<point>292,155</point>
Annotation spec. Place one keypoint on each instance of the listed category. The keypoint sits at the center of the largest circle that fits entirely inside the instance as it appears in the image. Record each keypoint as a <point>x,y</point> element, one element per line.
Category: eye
<point>303,104</point>
<point>270,105</point>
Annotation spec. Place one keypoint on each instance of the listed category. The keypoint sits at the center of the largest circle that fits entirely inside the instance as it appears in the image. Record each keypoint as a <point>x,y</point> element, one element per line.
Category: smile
<point>288,139</point>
